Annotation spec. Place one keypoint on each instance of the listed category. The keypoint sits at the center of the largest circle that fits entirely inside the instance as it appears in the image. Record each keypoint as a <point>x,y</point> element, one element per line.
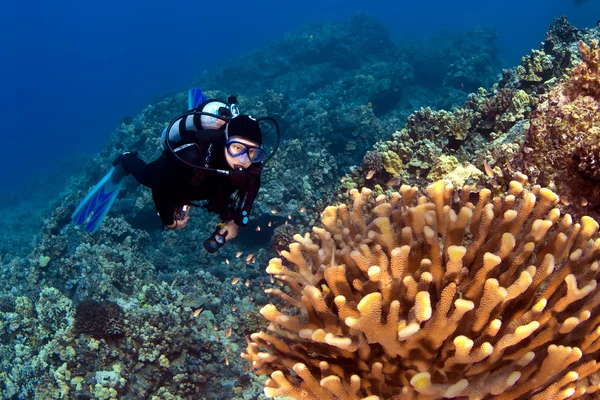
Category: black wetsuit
<point>175,184</point>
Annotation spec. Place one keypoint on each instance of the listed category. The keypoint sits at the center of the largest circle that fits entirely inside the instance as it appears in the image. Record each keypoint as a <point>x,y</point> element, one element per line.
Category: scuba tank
<point>206,116</point>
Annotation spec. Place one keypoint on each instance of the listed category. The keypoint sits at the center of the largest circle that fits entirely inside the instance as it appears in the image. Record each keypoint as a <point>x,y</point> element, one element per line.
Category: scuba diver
<point>211,152</point>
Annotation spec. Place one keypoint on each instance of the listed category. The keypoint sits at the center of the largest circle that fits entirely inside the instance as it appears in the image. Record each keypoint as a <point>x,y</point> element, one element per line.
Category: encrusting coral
<point>427,297</point>
<point>562,145</point>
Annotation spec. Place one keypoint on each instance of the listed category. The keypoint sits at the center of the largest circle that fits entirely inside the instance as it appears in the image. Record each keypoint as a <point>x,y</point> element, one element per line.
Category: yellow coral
<point>449,168</point>
<point>392,162</point>
<point>436,297</point>
<point>444,166</point>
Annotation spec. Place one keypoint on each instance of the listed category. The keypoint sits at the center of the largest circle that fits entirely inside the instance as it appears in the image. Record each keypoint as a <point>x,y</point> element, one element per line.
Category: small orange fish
<point>238,254</point>
<point>227,334</point>
<point>274,211</point>
<point>343,178</point>
<point>216,336</point>
<point>370,174</point>
<point>197,312</point>
<point>233,308</point>
<point>488,170</point>
<point>302,209</point>
<point>394,181</point>
<point>249,257</point>
<point>370,104</point>
<point>247,283</point>
<point>227,261</point>
<point>235,280</point>
<point>269,224</point>
<point>226,360</point>
<point>289,217</point>
<point>258,229</point>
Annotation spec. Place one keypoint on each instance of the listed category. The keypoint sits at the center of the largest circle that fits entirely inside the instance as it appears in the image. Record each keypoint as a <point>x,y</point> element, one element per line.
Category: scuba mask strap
<point>277,138</point>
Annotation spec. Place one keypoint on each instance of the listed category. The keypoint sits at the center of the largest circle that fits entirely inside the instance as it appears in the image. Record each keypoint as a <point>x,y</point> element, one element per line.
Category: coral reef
<point>283,236</point>
<point>103,320</point>
<point>372,161</point>
<point>536,67</point>
<point>339,89</point>
<point>561,146</point>
<point>7,304</point>
<point>436,297</point>
<point>489,131</point>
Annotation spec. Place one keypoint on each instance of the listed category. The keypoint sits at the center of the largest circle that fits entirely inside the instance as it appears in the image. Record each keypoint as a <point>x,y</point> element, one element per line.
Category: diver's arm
<point>164,207</point>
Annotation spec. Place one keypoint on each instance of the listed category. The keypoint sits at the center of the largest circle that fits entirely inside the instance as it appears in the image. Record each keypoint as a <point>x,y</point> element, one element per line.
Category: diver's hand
<point>231,228</point>
<point>179,224</point>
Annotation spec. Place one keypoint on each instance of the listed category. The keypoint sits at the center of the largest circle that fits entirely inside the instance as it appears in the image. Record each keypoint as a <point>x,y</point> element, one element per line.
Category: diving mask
<point>237,149</point>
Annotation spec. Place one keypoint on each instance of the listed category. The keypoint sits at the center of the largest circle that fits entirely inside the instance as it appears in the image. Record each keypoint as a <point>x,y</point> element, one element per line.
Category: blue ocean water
<point>73,69</point>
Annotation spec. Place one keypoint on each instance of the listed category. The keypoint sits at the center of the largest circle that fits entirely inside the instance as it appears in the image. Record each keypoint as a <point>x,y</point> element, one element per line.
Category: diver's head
<point>243,142</point>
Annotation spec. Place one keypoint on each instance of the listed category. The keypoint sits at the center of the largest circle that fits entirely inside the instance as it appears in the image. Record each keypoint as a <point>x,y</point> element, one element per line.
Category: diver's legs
<point>146,174</point>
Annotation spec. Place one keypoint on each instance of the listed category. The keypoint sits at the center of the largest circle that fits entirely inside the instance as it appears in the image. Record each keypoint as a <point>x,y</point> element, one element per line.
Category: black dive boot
<point>120,172</point>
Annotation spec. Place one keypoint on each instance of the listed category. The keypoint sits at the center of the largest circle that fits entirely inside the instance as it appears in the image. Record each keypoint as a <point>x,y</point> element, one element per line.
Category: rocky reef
<point>545,127</point>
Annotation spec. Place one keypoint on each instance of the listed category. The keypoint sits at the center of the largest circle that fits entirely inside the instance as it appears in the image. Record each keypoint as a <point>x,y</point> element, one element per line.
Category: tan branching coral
<point>436,297</point>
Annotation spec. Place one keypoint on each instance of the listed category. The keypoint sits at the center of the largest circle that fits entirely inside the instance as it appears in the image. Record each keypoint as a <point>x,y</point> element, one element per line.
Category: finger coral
<point>436,296</point>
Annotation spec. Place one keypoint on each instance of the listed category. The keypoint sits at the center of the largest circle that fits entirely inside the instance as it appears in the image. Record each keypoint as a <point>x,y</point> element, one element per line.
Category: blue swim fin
<point>195,98</point>
<point>98,202</point>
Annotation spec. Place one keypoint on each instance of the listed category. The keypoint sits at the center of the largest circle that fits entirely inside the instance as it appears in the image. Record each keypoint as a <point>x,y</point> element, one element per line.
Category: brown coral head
<point>283,236</point>
<point>586,160</point>
<point>372,161</point>
<point>436,297</point>
<point>103,320</point>
<point>7,304</point>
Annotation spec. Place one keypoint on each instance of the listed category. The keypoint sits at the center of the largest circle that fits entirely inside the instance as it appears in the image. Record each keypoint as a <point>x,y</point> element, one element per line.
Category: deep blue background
<point>71,70</point>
